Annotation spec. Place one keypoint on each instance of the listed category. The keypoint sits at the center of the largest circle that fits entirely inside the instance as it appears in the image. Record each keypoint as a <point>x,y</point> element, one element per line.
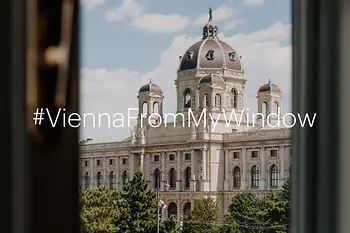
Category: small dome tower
<point>150,104</point>
<point>269,104</point>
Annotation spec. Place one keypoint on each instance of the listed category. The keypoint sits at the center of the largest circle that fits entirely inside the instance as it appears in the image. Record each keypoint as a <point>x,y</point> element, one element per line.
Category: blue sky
<point>125,43</point>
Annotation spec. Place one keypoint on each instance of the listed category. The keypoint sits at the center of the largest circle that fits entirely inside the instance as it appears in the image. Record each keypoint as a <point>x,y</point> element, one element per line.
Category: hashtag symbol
<point>38,116</point>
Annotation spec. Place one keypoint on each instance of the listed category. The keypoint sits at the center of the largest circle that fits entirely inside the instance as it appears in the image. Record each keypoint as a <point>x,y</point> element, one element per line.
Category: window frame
<point>316,79</point>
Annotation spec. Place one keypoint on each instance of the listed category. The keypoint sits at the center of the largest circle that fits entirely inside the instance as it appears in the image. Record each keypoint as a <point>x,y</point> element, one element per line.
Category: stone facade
<point>193,157</point>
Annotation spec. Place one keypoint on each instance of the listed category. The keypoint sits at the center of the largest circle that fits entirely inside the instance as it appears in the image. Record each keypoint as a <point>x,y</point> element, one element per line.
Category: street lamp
<point>166,186</point>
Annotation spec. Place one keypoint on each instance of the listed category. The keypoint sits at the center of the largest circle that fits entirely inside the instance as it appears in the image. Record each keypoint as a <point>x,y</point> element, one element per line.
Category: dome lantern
<point>210,30</point>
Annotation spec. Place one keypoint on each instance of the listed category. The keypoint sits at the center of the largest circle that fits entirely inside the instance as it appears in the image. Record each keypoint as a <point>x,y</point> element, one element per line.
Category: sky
<point>125,43</point>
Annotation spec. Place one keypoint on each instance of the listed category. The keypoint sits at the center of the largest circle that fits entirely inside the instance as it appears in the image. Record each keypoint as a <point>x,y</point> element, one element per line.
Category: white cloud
<point>108,91</point>
<point>128,10</point>
<point>90,4</point>
<point>233,24</point>
<point>253,2</point>
<point>223,12</point>
<point>133,11</point>
<point>264,56</point>
<point>161,23</point>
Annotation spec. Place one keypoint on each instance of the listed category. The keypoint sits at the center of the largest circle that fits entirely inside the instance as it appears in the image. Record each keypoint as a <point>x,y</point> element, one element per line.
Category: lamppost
<point>166,186</point>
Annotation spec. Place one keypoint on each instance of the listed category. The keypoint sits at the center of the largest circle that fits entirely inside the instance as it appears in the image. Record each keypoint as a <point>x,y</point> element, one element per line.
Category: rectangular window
<point>171,157</point>
<point>124,161</point>
<point>86,163</point>
<point>156,158</point>
<point>255,154</point>
<point>273,153</point>
<point>98,162</point>
<point>236,155</point>
<point>187,157</point>
<point>111,162</point>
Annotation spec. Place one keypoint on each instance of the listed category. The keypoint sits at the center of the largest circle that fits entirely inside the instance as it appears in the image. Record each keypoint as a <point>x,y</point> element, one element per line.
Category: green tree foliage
<point>167,226</point>
<point>132,211</point>
<point>139,206</point>
<point>135,210</point>
<point>246,210</point>
<point>204,217</point>
<point>274,214</point>
<point>285,198</point>
<point>229,225</point>
<point>99,209</point>
<point>270,215</point>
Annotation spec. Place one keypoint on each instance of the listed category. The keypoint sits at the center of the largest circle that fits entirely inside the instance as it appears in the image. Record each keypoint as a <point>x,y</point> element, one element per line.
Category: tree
<point>99,209</point>
<point>247,211</point>
<point>274,214</point>
<point>139,206</point>
<point>204,217</point>
<point>167,226</point>
<point>286,192</point>
<point>285,198</point>
<point>229,225</point>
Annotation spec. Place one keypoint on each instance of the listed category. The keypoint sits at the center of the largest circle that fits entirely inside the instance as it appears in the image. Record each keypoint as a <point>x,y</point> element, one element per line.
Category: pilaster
<point>263,172</point>
<point>226,171</point>
<point>193,170</point>
<point>179,159</point>
<point>245,170</point>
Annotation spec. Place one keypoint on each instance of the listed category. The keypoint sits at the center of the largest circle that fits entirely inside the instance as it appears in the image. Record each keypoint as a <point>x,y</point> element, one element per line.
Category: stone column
<point>142,161</point>
<point>226,171</point>
<point>104,175</point>
<point>204,181</point>
<point>91,173</point>
<point>208,165</point>
<point>179,210</point>
<point>193,170</point>
<point>263,172</point>
<point>117,172</point>
<point>178,170</point>
<point>131,166</point>
<point>281,168</point>
<point>245,170</point>
<point>162,173</point>
<point>204,164</point>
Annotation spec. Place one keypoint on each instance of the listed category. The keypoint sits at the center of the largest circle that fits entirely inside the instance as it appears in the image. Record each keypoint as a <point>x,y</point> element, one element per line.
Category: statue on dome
<point>210,13</point>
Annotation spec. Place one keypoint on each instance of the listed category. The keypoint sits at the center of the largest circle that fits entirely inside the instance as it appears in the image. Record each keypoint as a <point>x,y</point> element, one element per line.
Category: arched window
<point>187,177</point>
<point>172,178</point>
<point>217,101</point>
<point>124,179</point>
<point>87,180</point>
<point>99,179</point>
<point>275,107</point>
<point>274,176</point>
<point>187,98</point>
<point>206,101</point>
<point>155,107</point>
<point>234,98</point>
<point>111,180</point>
<point>172,209</point>
<point>187,207</point>
<point>236,177</point>
<point>144,109</point>
<point>156,179</point>
<point>264,109</point>
<point>255,176</point>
